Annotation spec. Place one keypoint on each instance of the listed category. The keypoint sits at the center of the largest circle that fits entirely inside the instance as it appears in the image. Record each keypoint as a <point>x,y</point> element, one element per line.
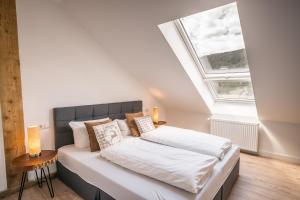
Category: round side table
<point>26,163</point>
<point>159,123</point>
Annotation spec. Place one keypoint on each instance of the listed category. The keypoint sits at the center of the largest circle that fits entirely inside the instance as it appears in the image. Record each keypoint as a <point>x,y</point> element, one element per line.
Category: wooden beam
<point>10,89</point>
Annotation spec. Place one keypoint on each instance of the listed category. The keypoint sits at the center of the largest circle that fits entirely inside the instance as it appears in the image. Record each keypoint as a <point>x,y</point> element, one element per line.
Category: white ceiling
<point>271,29</point>
<point>128,30</point>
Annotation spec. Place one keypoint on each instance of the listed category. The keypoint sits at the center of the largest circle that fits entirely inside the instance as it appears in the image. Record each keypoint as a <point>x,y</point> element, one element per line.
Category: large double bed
<point>96,178</point>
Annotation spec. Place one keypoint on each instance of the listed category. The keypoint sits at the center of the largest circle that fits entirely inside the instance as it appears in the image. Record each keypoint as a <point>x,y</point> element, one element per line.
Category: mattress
<point>121,183</point>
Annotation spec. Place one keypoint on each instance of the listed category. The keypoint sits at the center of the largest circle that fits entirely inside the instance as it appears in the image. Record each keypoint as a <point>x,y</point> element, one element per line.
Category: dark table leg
<point>48,181</point>
<point>24,176</point>
<point>40,182</point>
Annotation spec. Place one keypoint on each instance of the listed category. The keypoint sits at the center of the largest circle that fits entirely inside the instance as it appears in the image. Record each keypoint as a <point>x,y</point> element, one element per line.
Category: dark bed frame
<point>64,136</point>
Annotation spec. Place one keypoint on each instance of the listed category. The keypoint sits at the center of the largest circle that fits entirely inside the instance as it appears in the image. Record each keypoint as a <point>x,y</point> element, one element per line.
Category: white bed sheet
<point>188,139</point>
<point>121,183</point>
<point>178,167</point>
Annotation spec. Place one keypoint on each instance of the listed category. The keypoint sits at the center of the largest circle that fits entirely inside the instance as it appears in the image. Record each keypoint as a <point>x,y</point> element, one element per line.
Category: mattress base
<point>80,186</point>
<point>90,192</point>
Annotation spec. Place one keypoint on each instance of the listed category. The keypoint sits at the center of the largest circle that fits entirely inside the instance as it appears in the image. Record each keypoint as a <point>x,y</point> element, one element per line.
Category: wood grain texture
<point>61,191</point>
<point>10,88</point>
<point>260,179</point>
<point>160,123</point>
<point>27,163</point>
<point>266,179</point>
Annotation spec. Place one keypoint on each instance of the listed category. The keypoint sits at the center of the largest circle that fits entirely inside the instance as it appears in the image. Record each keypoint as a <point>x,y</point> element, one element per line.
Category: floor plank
<point>260,179</point>
<point>266,179</point>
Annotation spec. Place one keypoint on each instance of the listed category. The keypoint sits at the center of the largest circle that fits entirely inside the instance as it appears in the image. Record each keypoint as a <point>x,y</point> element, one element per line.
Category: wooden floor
<point>266,179</point>
<point>260,179</point>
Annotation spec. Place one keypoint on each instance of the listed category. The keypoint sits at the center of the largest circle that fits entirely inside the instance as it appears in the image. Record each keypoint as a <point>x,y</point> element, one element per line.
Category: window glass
<point>233,89</point>
<point>216,37</point>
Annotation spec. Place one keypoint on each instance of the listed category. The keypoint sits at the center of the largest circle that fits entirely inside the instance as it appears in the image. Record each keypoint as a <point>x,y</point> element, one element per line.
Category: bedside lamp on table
<point>156,122</point>
<point>155,115</point>
<point>35,159</point>
<point>34,141</point>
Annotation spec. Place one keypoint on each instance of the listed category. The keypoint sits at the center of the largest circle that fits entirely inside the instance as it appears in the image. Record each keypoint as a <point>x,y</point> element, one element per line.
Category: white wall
<point>280,140</point>
<point>276,139</point>
<point>62,65</point>
<point>272,42</point>
<point>141,48</point>
<point>60,61</point>
<point>190,120</point>
<point>273,58</point>
<point>3,183</point>
<point>270,33</point>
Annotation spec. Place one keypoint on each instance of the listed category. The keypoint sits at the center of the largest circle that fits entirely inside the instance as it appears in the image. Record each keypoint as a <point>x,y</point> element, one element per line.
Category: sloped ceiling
<point>128,30</point>
<point>271,29</point>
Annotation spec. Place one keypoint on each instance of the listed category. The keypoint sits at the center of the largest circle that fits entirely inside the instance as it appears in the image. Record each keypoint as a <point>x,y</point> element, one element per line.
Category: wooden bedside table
<point>26,163</point>
<point>160,123</point>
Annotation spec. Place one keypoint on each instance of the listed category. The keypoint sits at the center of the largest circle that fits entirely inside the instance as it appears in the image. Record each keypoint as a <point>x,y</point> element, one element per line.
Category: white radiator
<point>242,133</point>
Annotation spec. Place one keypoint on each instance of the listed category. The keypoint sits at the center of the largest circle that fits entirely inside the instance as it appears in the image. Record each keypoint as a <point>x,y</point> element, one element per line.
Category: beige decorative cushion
<point>123,126</point>
<point>80,134</point>
<point>108,134</point>
<point>144,124</point>
<point>131,123</point>
<point>93,140</point>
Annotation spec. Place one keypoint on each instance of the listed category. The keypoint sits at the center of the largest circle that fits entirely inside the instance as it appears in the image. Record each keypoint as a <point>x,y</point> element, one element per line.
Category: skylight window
<point>215,40</point>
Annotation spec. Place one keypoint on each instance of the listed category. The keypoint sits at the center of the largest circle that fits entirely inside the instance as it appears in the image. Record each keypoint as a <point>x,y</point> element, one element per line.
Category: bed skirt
<point>90,192</point>
<point>78,185</point>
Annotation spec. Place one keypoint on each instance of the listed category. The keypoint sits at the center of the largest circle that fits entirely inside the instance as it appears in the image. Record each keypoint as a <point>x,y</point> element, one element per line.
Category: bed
<point>94,178</point>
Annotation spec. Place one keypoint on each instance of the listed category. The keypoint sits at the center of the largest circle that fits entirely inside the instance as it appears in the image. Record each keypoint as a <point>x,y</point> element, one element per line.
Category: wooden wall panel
<point>10,89</point>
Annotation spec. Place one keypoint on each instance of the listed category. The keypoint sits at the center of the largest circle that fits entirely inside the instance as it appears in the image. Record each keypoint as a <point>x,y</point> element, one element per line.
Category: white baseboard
<point>279,156</point>
<point>31,174</point>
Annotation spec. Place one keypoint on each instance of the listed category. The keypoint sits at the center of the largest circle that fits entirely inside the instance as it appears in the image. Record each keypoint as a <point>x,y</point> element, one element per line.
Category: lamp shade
<point>155,114</point>
<point>34,140</point>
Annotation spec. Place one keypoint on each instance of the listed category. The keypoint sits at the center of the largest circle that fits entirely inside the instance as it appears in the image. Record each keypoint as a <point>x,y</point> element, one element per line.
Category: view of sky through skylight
<point>215,38</point>
<point>215,31</point>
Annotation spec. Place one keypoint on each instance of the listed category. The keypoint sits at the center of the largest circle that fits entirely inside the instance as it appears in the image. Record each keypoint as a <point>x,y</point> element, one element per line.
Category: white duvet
<point>184,169</point>
<point>189,140</point>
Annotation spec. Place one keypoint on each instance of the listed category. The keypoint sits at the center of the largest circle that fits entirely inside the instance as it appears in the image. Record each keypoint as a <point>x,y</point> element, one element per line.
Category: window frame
<point>210,77</point>
<point>216,96</point>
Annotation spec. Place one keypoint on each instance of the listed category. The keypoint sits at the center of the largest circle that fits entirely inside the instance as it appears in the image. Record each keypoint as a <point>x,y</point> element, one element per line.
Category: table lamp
<point>155,115</point>
<point>34,141</point>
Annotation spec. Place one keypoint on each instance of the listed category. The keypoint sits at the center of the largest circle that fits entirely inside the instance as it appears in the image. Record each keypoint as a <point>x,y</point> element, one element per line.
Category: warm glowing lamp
<point>34,141</point>
<point>155,115</point>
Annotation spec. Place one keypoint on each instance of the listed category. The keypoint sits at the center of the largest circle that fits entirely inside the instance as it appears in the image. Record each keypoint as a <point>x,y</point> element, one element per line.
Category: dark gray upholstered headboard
<point>62,117</point>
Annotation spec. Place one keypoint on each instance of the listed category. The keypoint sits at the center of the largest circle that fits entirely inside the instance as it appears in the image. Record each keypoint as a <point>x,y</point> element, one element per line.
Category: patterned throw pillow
<point>108,134</point>
<point>144,124</point>
<point>92,137</point>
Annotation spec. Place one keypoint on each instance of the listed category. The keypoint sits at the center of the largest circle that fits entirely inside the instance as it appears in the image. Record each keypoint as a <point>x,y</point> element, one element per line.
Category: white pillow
<point>108,134</point>
<point>81,137</point>
<point>144,124</point>
<point>122,123</point>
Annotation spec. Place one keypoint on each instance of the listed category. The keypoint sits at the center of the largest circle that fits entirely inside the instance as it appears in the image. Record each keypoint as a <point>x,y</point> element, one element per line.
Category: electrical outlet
<point>44,126</point>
